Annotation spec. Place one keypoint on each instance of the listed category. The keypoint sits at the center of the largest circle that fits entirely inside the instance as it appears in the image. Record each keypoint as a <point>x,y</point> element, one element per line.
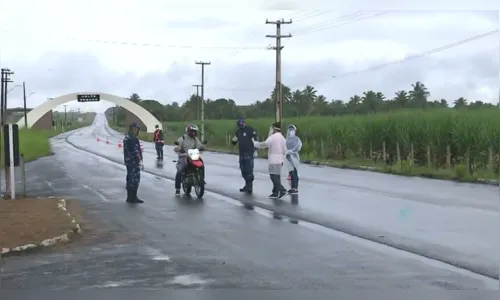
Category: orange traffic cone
<point>98,139</point>
<point>120,144</point>
<point>107,141</point>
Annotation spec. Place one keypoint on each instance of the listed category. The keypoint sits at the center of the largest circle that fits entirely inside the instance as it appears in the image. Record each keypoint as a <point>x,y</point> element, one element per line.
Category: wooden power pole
<point>197,100</point>
<point>202,100</point>
<point>279,86</point>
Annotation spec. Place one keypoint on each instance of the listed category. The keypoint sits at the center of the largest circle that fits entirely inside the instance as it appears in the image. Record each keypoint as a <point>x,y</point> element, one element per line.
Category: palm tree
<point>460,102</point>
<point>419,94</point>
<point>353,106</point>
<point>135,98</point>
<point>320,105</point>
<point>371,101</point>
<point>401,98</point>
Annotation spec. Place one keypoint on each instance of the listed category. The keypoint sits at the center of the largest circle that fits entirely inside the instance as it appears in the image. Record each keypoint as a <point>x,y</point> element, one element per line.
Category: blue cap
<point>240,121</point>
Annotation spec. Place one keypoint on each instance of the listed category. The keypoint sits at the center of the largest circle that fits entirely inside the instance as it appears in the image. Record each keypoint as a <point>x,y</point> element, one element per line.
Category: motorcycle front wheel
<point>199,187</point>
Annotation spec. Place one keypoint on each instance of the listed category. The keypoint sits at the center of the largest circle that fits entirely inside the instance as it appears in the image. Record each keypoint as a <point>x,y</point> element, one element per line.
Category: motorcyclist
<point>187,141</point>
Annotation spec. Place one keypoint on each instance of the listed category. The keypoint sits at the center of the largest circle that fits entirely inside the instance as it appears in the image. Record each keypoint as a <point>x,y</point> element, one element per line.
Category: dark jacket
<point>244,139</point>
<point>132,154</point>
<point>158,136</point>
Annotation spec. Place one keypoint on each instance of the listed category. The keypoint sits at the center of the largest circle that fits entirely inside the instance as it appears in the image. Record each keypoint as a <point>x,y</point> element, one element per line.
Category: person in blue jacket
<point>132,156</point>
<point>244,136</point>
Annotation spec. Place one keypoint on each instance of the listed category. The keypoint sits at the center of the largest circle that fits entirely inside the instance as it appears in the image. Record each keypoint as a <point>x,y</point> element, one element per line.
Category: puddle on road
<point>189,280</point>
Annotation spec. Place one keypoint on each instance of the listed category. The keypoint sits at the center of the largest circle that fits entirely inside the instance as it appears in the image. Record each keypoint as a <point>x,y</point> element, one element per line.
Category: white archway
<point>145,116</point>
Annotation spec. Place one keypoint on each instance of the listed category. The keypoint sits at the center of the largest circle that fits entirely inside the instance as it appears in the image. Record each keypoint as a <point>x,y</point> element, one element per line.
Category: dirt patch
<point>32,220</point>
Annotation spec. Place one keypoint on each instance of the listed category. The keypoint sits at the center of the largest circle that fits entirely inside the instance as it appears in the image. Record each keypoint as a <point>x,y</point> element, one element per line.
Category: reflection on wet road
<point>215,243</point>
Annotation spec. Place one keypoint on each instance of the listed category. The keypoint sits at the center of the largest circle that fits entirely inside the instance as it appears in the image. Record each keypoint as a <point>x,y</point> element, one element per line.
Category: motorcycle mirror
<point>176,143</point>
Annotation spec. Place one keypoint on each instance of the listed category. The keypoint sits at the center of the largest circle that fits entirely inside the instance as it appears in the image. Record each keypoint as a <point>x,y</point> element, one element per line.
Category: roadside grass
<point>35,143</point>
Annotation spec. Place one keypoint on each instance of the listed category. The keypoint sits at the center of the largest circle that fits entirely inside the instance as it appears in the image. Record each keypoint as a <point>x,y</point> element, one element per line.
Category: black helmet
<point>157,126</point>
<point>133,126</point>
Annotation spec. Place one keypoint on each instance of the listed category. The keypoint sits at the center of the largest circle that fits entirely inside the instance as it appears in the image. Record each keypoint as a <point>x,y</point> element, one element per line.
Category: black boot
<point>134,195</point>
<point>129,196</point>
<point>249,187</point>
<point>244,188</point>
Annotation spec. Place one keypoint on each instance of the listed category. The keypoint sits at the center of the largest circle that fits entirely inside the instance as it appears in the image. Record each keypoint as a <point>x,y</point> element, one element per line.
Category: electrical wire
<point>419,55</point>
<point>329,25</point>
<point>165,46</point>
<point>387,64</point>
<point>338,19</point>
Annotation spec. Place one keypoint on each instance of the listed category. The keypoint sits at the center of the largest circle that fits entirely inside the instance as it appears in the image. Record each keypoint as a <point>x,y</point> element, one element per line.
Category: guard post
<point>12,156</point>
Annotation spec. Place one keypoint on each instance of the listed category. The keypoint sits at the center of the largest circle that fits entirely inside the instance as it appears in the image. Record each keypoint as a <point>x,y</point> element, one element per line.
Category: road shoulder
<point>30,224</point>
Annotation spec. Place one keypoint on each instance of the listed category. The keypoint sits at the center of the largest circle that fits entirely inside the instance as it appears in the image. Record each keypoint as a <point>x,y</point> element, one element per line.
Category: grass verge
<point>35,143</point>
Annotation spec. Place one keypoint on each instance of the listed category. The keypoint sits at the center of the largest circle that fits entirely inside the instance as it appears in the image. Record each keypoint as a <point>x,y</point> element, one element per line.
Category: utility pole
<point>203,97</point>
<point>65,119</point>
<point>197,100</point>
<point>24,98</point>
<point>5,79</point>
<point>279,86</point>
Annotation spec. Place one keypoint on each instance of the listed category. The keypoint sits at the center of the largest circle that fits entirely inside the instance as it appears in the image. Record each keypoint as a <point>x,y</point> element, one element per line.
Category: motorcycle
<point>194,174</point>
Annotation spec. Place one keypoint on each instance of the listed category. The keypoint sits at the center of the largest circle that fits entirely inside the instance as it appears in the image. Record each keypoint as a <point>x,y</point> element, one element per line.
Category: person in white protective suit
<point>292,157</point>
<point>276,145</point>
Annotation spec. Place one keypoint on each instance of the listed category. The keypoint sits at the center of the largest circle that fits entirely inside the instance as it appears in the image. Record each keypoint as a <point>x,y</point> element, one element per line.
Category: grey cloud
<point>388,27</point>
<point>205,23</point>
<point>248,82</point>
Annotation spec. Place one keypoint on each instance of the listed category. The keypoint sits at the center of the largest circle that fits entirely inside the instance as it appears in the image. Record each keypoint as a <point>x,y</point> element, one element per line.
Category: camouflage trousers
<point>133,176</point>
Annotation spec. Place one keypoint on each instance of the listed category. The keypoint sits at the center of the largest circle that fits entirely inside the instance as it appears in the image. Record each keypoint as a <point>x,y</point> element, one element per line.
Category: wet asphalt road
<point>214,243</point>
<point>453,222</point>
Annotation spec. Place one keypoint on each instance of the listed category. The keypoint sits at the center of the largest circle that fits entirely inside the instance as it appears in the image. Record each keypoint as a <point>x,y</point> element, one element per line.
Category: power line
<point>419,55</point>
<point>165,46</point>
<point>300,16</point>
<point>340,18</point>
<point>387,64</point>
<point>326,25</point>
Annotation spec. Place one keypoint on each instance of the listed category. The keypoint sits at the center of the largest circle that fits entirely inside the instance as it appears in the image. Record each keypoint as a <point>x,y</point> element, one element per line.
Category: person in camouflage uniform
<point>132,156</point>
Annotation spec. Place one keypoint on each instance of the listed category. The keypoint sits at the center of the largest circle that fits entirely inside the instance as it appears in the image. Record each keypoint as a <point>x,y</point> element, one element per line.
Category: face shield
<point>291,131</point>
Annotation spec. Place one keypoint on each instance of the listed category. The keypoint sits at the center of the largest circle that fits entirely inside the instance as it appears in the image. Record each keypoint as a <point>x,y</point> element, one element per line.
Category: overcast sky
<point>54,47</point>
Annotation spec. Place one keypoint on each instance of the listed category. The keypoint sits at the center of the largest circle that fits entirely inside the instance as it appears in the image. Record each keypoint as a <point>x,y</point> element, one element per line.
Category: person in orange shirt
<point>158,140</point>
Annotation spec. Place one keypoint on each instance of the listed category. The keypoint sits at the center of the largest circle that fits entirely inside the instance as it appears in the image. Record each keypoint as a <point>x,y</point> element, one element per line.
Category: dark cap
<point>134,125</point>
<point>277,125</point>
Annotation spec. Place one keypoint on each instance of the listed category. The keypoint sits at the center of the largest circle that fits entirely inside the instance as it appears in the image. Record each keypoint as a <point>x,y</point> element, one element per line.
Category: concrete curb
<point>4,252</point>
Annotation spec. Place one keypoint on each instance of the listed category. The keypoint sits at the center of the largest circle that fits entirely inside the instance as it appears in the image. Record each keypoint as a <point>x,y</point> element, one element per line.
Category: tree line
<point>305,102</point>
